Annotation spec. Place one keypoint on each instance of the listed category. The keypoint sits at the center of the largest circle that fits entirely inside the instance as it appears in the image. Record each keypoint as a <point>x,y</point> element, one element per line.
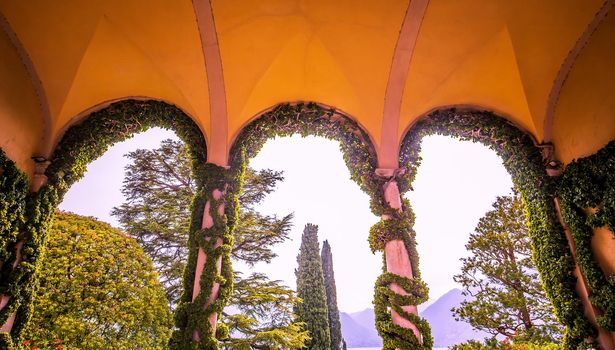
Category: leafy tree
<point>159,188</point>
<point>335,326</point>
<point>508,298</point>
<point>311,289</point>
<point>265,320</point>
<point>506,344</point>
<point>98,290</point>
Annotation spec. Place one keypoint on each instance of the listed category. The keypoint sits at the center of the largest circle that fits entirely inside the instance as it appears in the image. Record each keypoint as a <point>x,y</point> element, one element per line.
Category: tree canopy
<point>500,276</point>
<point>159,189</point>
<point>98,290</point>
<point>312,310</point>
<point>263,317</point>
<point>335,326</point>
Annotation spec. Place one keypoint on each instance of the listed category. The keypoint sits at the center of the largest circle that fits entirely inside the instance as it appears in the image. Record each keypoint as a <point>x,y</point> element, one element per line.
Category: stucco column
<point>208,222</point>
<point>398,261</point>
<point>605,338</point>
<point>37,181</point>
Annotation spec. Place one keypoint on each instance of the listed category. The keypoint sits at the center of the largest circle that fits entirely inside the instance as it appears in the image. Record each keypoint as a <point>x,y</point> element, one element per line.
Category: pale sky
<point>455,185</point>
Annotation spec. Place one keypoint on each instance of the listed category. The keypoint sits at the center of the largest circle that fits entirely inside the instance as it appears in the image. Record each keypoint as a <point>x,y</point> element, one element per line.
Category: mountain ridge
<point>358,328</point>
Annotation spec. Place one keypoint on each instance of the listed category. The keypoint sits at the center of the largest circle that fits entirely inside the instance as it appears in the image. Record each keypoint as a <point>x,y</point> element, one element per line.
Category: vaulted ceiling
<point>545,65</point>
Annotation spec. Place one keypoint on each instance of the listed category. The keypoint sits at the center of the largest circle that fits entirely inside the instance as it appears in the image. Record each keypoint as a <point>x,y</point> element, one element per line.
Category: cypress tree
<point>311,289</point>
<point>335,327</point>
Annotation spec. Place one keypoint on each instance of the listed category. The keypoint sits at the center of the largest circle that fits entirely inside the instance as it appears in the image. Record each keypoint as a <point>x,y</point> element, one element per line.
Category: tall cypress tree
<point>335,326</point>
<point>311,289</point>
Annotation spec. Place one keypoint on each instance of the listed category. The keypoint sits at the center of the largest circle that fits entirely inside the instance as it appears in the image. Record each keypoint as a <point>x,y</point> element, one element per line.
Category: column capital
<point>39,179</point>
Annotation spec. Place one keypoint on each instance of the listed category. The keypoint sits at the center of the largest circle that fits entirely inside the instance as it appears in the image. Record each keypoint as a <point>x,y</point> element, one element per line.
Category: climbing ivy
<point>216,242</point>
<point>524,161</point>
<point>81,144</point>
<point>590,183</point>
<point>358,152</point>
<point>398,226</point>
<point>89,139</point>
<point>84,142</point>
<point>311,119</point>
<point>13,194</point>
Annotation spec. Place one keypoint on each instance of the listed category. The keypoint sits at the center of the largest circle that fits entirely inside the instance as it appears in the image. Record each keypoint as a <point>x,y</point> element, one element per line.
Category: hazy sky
<point>455,185</point>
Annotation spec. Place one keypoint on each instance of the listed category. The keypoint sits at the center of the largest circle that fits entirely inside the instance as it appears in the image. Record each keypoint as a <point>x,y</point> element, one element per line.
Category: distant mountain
<point>358,329</point>
<point>365,318</point>
<point>445,330</point>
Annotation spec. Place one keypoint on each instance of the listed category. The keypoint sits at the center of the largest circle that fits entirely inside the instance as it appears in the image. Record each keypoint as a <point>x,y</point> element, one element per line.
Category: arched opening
<point>456,183</point>
<point>82,143</point>
<point>317,190</point>
<point>527,163</point>
<point>399,288</point>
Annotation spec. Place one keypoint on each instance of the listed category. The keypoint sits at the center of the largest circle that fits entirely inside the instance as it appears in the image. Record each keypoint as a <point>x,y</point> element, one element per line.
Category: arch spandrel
<point>102,51</point>
<point>584,119</point>
<point>335,52</point>
<point>22,125</point>
<point>477,66</point>
<point>506,61</point>
<point>136,100</point>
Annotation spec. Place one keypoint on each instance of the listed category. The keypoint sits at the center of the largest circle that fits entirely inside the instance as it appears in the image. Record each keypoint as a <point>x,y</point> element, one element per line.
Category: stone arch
<point>309,118</point>
<point>206,294</point>
<point>83,142</point>
<point>90,136</point>
<point>401,281</point>
<point>530,166</point>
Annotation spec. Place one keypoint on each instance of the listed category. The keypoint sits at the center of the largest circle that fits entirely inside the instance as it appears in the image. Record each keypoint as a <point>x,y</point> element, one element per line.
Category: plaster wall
<point>21,123</point>
<point>584,118</point>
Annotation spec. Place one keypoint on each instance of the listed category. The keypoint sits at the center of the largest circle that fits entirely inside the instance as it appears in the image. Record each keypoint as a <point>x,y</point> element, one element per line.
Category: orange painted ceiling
<point>503,55</point>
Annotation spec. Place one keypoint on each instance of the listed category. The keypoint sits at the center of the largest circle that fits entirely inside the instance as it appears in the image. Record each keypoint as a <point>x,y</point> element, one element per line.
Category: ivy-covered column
<point>400,288</point>
<point>25,211</point>
<point>13,192</point>
<point>208,278</point>
<point>586,198</point>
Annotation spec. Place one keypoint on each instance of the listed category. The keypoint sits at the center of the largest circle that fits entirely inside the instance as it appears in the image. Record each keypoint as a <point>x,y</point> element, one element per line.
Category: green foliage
<point>97,290</point>
<point>506,344</point>
<point>88,140</point>
<point>524,162</point>
<point>335,326</point>
<point>24,218</point>
<point>312,119</point>
<point>159,188</point>
<point>359,155</point>
<point>500,275</point>
<point>589,183</point>
<point>84,142</point>
<point>256,233</point>
<point>399,227</point>
<point>193,311</point>
<point>312,310</point>
<point>265,317</point>
<point>13,192</point>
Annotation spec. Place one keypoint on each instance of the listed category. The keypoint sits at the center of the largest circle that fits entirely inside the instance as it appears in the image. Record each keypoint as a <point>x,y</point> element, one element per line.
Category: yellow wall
<point>333,52</point>
<point>91,52</point>
<point>584,119</point>
<point>21,124</point>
